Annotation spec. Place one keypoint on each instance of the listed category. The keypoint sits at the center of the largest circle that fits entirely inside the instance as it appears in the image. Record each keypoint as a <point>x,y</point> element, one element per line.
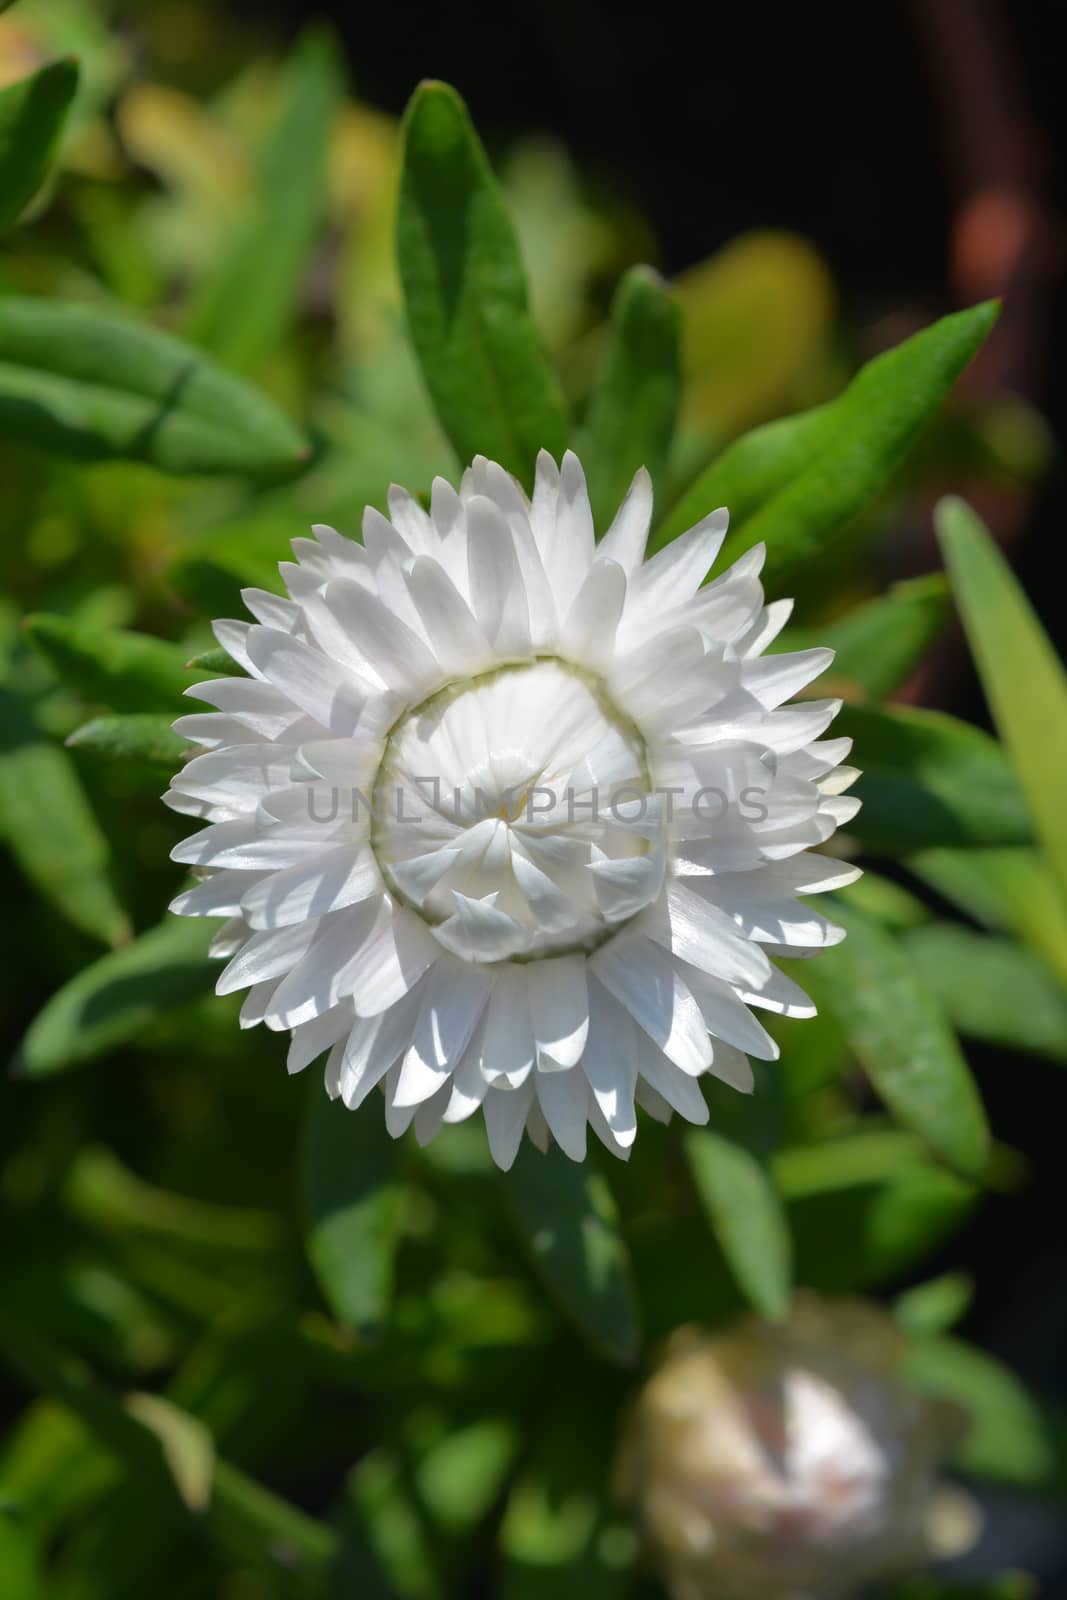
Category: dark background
<point>919,146</point>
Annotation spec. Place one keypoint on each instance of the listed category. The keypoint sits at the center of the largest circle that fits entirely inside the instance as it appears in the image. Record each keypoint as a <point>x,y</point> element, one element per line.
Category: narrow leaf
<point>930,779</point>
<point>243,307</point>
<point>878,646</point>
<point>1006,890</point>
<point>353,1201</point>
<point>935,1306</point>
<point>112,666</point>
<point>54,836</point>
<point>992,989</point>
<point>1023,678</point>
<point>634,403</point>
<point>141,738</point>
<point>568,1218</point>
<point>823,471</point>
<point>32,114</point>
<point>91,383</point>
<point>110,1002</point>
<point>1012,1436</point>
<point>465,294</point>
<point>902,1039</point>
<point>746,1214</point>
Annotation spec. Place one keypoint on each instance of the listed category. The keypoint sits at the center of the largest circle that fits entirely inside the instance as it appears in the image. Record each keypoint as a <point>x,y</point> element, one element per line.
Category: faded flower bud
<point>789,1462</point>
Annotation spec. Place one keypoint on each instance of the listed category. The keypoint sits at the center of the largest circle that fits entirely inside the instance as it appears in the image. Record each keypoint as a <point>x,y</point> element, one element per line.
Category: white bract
<point>503,818</point>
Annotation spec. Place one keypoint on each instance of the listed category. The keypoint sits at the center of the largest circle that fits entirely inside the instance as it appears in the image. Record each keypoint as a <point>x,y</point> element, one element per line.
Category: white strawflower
<point>505,818</point>
<point>789,1461</point>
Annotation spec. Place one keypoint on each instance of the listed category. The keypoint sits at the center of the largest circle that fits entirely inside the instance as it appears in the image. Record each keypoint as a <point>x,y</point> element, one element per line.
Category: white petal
<point>559,1007</point>
<point>505,1117</point>
<point>564,1100</point>
<point>625,540</point>
<point>648,984</point>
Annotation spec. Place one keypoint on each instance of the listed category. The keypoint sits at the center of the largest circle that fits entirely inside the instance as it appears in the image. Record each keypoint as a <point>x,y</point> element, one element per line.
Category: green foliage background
<point>252,1359</point>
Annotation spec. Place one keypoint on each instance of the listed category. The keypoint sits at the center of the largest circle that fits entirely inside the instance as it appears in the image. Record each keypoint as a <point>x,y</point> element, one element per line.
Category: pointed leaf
<point>141,738</point>
<point>465,293</point>
<point>353,1202</point>
<point>1012,1437</point>
<point>110,1002</point>
<point>902,1039</point>
<point>746,1213</point>
<point>243,307</point>
<point>113,666</point>
<point>88,382</point>
<point>929,779</point>
<point>878,645</point>
<point>1024,680</point>
<point>822,469</point>
<point>992,989</point>
<point>54,836</point>
<point>32,114</point>
<point>1005,890</point>
<point>633,407</point>
<point>568,1218</point>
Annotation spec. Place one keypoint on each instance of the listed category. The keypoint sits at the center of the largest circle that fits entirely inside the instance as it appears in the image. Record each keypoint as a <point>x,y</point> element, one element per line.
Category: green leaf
<point>1013,1437</point>
<point>929,779</point>
<point>114,999</point>
<point>1023,678</point>
<point>935,1306</point>
<point>18,1561</point>
<point>112,666</point>
<point>353,1201</point>
<point>856,1226</point>
<point>32,114</point>
<point>242,309</point>
<point>142,738</point>
<point>568,1218</point>
<point>747,1216</point>
<point>54,836</point>
<point>91,383</point>
<point>215,664</point>
<point>465,294</point>
<point>212,570</point>
<point>819,470</point>
<point>902,1039</point>
<point>992,989</point>
<point>878,645</point>
<point>1006,890</point>
<point>633,407</point>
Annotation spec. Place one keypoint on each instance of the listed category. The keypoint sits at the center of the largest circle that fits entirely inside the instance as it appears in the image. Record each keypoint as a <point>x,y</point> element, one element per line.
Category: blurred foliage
<point>243,1363</point>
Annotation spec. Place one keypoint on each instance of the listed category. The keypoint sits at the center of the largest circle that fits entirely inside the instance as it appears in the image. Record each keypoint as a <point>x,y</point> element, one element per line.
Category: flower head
<point>504,818</point>
<point>789,1462</point>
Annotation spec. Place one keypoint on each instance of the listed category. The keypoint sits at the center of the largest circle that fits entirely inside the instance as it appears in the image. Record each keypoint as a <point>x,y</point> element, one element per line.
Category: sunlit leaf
<point>1007,890</point>
<point>32,114</point>
<point>1024,680</point>
<point>465,292</point>
<point>631,413</point>
<point>992,989</point>
<point>878,645</point>
<point>935,1306</point>
<point>901,1037</point>
<point>757,319</point>
<point>242,308</point>
<point>18,1559</point>
<point>930,779</point>
<point>114,999</point>
<point>353,1201</point>
<point>569,1222</point>
<point>747,1215</point>
<point>89,382</point>
<point>113,666</point>
<point>820,470</point>
<point>1013,1436</point>
<point>50,828</point>
<point>141,737</point>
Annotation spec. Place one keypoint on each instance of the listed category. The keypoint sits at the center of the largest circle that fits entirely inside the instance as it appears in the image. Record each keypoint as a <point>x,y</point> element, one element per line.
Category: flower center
<point>514,812</point>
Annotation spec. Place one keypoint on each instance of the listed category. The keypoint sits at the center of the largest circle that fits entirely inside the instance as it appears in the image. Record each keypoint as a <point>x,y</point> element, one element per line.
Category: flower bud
<point>788,1461</point>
